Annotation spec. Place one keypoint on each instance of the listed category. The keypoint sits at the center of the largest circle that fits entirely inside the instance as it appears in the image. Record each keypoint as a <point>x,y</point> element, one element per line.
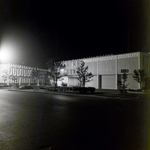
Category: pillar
<point>116,72</point>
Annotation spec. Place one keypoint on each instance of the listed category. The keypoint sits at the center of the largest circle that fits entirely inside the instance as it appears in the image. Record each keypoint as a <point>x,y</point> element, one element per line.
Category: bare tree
<point>139,76</point>
<point>83,74</point>
<point>47,78</point>
<point>56,70</point>
<point>123,83</point>
<point>15,79</point>
<point>5,75</point>
<point>35,75</point>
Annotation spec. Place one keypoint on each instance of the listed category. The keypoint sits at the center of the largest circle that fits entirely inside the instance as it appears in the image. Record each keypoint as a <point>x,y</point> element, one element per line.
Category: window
<point>24,72</point>
<point>18,73</point>
<point>68,63</point>
<point>11,71</point>
<point>14,71</point>
<point>74,72</point>
<point>74,63</point>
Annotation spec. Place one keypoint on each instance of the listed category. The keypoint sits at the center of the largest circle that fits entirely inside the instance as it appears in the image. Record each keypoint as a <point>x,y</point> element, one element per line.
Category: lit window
<point>18,72</point>
<point>24,72</point>
<point>74,72</point>
<point>14,71</point>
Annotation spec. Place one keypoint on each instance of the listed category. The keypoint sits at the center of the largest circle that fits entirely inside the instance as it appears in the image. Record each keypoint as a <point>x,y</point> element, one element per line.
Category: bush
<point>131,89</point>
<point>64,84</point>
<point>121,91</point>
<point>139,90</point>
<point>25,87</point>
<point>22,87</point>
<point>41,87</point>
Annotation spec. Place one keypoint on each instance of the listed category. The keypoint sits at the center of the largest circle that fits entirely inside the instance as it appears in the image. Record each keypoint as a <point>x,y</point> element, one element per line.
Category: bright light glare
<point>61,70</point>
<point>4,55</point>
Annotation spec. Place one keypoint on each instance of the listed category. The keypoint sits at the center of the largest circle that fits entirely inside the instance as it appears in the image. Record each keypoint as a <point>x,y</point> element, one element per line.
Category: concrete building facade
<point>107,69</point>
<point>21,72</point>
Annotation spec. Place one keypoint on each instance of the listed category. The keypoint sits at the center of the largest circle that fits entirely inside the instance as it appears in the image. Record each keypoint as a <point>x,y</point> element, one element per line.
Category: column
<point>97,75</point>
<point>116,68</point>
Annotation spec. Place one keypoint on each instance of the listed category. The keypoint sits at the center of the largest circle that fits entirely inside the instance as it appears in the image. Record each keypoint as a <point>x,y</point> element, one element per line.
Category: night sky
<point>35,31</point>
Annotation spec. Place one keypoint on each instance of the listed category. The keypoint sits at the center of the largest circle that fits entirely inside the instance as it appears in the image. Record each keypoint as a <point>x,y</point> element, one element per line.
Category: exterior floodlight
<point>4,55</point>
<point>62,70</point>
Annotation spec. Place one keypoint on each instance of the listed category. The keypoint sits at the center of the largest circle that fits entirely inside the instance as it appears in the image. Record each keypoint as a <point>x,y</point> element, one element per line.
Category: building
<point>21,72</point>
<point>107,69</point>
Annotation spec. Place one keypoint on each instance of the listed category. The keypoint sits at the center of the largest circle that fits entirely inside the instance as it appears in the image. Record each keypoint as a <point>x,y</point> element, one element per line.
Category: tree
<point>82,73</point>
<point>14,78</point>
<point>56,70</point>
<point>139,76</point>
<point>5,75</point>
<point>35,75</point>
<point>123,83</point>
<point>47,78</point>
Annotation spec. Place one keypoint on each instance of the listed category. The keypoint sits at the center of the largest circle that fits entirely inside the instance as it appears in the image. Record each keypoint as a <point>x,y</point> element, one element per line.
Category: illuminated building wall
<point>21,72</point>
<point>107,69</point>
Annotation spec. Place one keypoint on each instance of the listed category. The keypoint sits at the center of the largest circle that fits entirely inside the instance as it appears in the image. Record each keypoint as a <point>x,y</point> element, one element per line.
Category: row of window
<point>71,63</point>
<point>16,71</point>
<point>71,71</point>
<point>27,80</point>
<point>25,72</point>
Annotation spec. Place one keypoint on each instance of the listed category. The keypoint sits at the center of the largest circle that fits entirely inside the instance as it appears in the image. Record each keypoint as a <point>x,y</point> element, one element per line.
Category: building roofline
<point>22,65</point>
<point>107,55</point>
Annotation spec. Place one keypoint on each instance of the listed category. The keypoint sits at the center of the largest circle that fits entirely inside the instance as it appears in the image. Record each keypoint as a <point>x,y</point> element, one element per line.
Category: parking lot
<point>34,120</point>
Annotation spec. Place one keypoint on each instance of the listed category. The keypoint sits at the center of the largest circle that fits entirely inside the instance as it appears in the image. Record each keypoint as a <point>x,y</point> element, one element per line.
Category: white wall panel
<point>132,83</point>
<point>92,83</point>
<point>128,63</point>
<point>108,82</point>
<point>73,82</point>
<point>107,67</point>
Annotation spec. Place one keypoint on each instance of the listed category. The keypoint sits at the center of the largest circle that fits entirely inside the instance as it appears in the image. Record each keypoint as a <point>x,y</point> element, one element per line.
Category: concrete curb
<point>114,97</point>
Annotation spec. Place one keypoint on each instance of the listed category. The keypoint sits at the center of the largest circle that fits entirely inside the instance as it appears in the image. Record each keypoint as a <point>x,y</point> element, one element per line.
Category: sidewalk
<point>116,94</point>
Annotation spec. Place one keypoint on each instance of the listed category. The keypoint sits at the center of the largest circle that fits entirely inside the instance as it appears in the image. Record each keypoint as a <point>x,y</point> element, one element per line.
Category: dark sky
<point>41,30</point>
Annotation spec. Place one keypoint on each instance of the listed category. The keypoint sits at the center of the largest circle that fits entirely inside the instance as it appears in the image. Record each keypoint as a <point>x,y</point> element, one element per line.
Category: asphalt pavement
<point>42,121</point>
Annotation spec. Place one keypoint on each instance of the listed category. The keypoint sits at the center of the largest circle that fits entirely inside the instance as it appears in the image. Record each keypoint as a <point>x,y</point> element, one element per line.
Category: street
<point>35,121</point>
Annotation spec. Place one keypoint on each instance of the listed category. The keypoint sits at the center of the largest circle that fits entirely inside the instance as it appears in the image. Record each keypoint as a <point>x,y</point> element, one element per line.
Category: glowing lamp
<point>4,55</point>
<point>61,70</point>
